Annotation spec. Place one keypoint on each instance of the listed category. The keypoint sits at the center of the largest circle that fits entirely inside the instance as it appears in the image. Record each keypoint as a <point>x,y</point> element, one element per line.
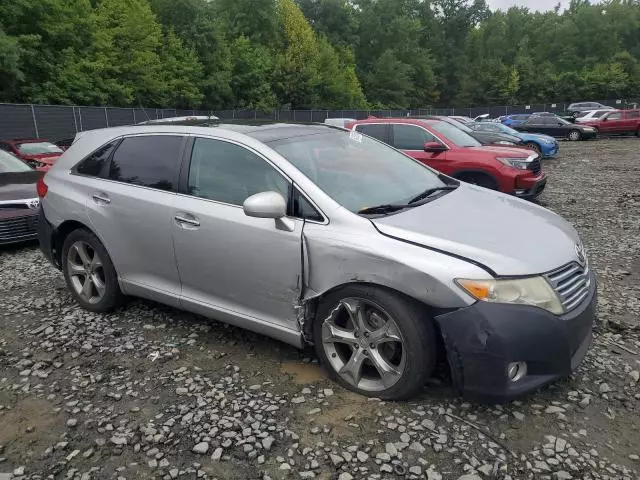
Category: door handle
<point>101,198</point>
<point>193,222</point>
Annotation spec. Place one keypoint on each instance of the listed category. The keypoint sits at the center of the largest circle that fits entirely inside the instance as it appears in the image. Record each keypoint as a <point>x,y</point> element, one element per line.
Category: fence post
<point>35,123</point>
<point>106,116</point>
<point>75,120</point>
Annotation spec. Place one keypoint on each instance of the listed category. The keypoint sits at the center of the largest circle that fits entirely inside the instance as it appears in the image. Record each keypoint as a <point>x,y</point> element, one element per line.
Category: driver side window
<point>229,173</point>
<point>411,137</point>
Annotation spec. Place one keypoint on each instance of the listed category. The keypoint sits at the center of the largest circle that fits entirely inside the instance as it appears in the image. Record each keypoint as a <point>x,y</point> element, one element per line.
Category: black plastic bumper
<point>481,340</point>
<point>45,237</point>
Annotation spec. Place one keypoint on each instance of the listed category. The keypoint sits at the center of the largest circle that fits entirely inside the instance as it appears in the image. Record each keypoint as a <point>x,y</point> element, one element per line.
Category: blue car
<point>544,145</point>
<point>516,119</point>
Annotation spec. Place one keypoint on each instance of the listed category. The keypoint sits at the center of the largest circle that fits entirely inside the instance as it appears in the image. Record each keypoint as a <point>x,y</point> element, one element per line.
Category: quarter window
<point>229,173</point>
<point>149,161</point>
<point>410,137</point>
<point>95,163</point>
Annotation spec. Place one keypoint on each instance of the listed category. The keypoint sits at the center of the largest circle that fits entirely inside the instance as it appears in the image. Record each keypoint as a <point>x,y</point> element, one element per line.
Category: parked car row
<point>318,235</point>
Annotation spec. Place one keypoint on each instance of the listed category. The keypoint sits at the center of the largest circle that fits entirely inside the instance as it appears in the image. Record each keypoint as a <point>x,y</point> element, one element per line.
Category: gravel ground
<point>151,392</point>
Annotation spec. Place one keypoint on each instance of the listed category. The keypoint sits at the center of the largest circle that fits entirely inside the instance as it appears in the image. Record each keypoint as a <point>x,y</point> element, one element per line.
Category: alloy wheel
<point>574,136</point>
<point>86,272</point>
<point>364,345</point>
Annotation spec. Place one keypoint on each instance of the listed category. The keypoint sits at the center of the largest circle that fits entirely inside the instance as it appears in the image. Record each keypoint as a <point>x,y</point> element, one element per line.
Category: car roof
<point>263,131</point>
<point>428,120</point>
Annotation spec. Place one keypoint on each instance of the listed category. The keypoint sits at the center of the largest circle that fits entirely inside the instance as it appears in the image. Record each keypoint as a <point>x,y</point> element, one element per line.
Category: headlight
<point>519,162</point>
<point>534,291</point>
<point>504,142</point>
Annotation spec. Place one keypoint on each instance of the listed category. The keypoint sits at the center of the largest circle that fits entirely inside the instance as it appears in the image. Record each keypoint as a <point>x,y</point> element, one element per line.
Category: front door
<point>129,209</point>
<point>411,139</point>
<point>232,266</point>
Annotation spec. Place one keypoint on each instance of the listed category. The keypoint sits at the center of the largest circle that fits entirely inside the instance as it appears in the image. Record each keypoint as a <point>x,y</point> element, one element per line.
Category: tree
<point>296,65</point>
<point>389,81</point>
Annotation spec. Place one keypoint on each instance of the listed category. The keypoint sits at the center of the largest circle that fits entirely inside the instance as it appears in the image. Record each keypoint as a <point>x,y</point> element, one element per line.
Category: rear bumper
<point>481,340</point>
<point>45,237</point>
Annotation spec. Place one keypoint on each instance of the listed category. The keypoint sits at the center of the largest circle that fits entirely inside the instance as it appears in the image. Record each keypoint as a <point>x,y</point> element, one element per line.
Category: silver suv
<point>316,235</point>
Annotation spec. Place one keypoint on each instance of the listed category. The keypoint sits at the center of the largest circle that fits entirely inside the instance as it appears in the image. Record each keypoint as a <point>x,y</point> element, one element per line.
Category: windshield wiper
<point>385,208</point>
<point>429,191</point>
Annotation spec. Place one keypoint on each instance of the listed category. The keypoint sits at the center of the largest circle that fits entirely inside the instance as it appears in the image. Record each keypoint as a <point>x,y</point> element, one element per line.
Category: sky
<point>540,5</point>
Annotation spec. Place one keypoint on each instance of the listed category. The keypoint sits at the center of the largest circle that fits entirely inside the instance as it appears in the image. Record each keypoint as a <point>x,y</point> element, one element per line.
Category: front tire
<point>575,136</point>
<point>533,146</point>
<point>375,342</point>
<point>89,272</point>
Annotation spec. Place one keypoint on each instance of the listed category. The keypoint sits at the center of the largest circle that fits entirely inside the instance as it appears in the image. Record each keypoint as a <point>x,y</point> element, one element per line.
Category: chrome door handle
<point>101,198</point>
<point>189,221</point>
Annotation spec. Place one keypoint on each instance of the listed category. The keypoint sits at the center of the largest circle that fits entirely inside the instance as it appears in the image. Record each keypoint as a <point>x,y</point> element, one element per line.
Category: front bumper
<point>481,340</point>
<point>548,151</point>
<point>18,228</point>
<point>530,187</point>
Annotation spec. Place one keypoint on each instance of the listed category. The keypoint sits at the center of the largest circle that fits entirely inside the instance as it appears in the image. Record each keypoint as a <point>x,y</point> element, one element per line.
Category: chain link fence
<point>58,122</point>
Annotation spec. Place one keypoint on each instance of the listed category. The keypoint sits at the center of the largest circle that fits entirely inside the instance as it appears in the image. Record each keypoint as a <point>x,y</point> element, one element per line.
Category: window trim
<point>186,163</point>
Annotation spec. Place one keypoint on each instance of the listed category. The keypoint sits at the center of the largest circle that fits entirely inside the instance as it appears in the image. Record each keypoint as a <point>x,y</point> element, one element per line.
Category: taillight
<point>42,188</point>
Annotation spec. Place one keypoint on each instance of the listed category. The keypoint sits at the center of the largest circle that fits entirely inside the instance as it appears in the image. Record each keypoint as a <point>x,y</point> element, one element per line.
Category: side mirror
<point>434,147</point>
<point>265,205</point>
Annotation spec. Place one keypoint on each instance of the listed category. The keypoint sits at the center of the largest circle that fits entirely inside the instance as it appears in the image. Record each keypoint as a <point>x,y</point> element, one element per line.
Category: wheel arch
<point>460,174</point>
<point>61,233</point>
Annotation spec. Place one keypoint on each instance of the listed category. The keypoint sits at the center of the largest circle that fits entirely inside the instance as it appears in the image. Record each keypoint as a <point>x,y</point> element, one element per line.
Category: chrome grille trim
<point>571,282</point>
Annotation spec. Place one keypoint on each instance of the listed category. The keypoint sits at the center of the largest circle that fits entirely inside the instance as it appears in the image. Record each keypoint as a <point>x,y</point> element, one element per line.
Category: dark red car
<point>19,202</point>
<point>36,152</point>
<point>449,150</point>
<point>617,122</point>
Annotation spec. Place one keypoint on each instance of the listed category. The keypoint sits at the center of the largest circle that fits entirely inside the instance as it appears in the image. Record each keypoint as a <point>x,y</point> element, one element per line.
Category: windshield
<point>357,171</point>
<point>10,164</point>
<point>455,134</point>
<point>38,148</point>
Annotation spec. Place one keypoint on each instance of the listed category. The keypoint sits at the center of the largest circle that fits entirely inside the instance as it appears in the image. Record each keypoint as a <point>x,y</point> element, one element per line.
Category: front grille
<point>535,166</point>
<point>571,282</point>
<point>18,228</point>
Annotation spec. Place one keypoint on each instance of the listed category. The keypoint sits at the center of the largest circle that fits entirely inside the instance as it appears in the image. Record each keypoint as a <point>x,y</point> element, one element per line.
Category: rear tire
<point>375,342</point>
<point>575,135</point>
<point>533,146</point>
<point>89,272</point>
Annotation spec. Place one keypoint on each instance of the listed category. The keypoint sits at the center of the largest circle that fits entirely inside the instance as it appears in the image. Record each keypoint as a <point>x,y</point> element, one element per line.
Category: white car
<point>590,115</point>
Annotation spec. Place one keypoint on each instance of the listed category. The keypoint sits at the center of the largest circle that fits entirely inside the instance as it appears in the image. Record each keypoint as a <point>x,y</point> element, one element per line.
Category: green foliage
<point>315,53</point>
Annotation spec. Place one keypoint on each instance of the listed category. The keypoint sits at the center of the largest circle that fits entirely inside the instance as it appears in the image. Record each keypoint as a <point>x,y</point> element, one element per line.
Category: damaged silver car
<point>315,235</point>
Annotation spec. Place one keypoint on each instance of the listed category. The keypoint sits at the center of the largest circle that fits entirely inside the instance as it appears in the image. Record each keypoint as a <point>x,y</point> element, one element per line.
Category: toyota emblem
<point>33,204</point>
<point>580,253</point>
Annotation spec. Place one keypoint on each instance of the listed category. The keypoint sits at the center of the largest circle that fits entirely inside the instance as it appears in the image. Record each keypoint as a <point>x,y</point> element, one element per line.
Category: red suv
<point>448,149</point>
<point>617,122</point>
<point>37,153</point>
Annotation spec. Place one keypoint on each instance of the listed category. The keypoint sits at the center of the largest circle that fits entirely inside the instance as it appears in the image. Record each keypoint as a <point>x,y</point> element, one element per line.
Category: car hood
<point>508,235</point>
<point>48,158</point>
<point>19,185</point>
<point>536,137</point>
<point>500,151</point>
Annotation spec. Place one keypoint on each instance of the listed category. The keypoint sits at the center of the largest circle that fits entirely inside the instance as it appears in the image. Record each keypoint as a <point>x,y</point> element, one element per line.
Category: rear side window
<point>95,163</point>
<point>149,161</point>
<point>377,131</point>
<point>410,137</point>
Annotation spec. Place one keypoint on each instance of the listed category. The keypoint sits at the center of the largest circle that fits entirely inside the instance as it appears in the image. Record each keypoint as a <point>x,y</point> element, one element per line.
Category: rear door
<point>129,206</point>
<point>411,139</point>
<point>612,123</point>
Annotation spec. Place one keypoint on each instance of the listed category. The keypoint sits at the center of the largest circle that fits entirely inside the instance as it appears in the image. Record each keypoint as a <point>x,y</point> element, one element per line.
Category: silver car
<point>316,235</point>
